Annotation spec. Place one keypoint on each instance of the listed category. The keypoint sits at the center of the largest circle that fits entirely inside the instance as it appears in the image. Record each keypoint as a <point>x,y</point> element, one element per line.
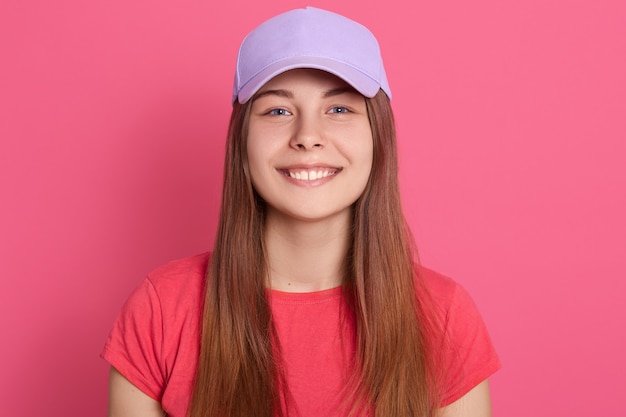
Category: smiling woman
<point>309,146</point>
<point>311,303</point>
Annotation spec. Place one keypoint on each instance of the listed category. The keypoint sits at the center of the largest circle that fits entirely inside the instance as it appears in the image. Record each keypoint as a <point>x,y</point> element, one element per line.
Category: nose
<point>308,133</point>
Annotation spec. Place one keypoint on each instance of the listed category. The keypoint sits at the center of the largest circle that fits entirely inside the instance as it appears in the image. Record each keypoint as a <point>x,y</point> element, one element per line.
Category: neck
<point>306,256</point>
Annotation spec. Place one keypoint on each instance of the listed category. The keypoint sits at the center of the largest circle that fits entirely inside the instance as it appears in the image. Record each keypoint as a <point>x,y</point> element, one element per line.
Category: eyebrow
<point>339,91</point>
<point>280,93</point>
<point>288,94</point>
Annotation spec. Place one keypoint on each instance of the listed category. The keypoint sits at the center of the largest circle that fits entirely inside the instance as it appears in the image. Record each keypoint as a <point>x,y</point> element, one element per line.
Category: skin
<point>126,400</point>
<point>304,120</point>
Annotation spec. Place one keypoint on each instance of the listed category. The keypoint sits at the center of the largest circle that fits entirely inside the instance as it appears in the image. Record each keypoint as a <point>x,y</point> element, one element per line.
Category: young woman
<point>310,304</point>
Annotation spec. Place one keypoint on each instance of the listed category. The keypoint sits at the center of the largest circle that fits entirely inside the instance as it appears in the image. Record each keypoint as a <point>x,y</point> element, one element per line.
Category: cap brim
<point>353,76</point>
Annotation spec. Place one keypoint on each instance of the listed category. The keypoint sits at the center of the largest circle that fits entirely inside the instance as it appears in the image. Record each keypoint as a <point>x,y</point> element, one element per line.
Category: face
<point>309,145</point>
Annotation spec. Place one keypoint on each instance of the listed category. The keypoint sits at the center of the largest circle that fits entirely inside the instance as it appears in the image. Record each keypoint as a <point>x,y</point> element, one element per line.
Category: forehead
<point>305,78</point>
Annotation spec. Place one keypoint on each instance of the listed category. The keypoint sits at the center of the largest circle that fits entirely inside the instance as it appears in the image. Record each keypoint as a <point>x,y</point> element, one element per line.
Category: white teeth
<point>310,175</point>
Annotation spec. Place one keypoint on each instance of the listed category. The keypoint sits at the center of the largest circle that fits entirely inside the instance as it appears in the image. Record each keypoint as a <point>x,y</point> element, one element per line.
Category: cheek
<point>368,157</point>
<point>258,164</point>
<point>363,150</point>
<point>360,151</point>
<point>254,151</point>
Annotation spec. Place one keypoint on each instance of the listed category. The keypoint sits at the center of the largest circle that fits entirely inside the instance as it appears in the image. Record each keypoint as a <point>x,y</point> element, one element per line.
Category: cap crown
<point>310,38</point>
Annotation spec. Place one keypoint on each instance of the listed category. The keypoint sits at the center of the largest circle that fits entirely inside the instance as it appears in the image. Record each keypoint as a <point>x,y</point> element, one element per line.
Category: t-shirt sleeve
<point>469,355</point>
<point>135,345</point>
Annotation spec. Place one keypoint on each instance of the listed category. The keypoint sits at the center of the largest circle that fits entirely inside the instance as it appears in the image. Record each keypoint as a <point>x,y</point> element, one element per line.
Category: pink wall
<point>512,129</point>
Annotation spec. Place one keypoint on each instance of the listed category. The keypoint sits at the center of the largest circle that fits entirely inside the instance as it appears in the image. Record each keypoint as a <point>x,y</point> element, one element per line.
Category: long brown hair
<point>239,370</point>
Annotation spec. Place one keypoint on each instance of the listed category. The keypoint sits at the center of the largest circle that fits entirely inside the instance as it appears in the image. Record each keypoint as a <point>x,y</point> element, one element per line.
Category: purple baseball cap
<point>310,38</point>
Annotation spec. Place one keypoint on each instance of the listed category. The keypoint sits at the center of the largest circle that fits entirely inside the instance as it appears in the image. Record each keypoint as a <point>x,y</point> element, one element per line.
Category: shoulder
<point>449,302</point>
<point>437,288</point>
<point>181,281</point>
<point>189,270</point>
<point>169,296</point>
<point>464,351</point>
<point>155,340</point>
<point>164,309</point>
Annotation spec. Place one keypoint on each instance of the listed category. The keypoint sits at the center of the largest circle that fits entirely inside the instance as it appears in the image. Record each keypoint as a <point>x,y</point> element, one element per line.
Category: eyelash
<point>283,112</point>
<point>278,112</point>
<point>341,109</point>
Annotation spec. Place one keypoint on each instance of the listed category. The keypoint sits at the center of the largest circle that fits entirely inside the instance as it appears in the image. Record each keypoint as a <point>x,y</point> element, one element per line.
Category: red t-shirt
<point>155,340</point>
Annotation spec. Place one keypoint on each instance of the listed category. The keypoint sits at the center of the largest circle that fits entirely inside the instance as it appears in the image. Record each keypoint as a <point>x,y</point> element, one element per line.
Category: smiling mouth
<point>310,174</point>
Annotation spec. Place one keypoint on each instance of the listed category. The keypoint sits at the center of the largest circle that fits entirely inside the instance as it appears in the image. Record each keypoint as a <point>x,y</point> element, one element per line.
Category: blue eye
<point>339,109</point>
<point>278,112</point>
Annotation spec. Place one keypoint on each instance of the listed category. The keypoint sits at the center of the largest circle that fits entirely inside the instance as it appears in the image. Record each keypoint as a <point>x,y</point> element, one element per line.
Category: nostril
<point>304,146</point>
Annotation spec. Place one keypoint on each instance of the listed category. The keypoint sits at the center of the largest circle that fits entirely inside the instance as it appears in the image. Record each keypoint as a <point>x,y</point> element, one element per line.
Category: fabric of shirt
<point>155,341</point>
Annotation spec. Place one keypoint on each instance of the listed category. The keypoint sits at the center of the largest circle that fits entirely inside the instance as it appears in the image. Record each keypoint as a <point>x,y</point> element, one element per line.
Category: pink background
<point>512,130</point>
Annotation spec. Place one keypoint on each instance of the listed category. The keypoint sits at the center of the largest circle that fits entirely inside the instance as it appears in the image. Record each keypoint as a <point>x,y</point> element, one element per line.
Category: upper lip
<point>303,167</point>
